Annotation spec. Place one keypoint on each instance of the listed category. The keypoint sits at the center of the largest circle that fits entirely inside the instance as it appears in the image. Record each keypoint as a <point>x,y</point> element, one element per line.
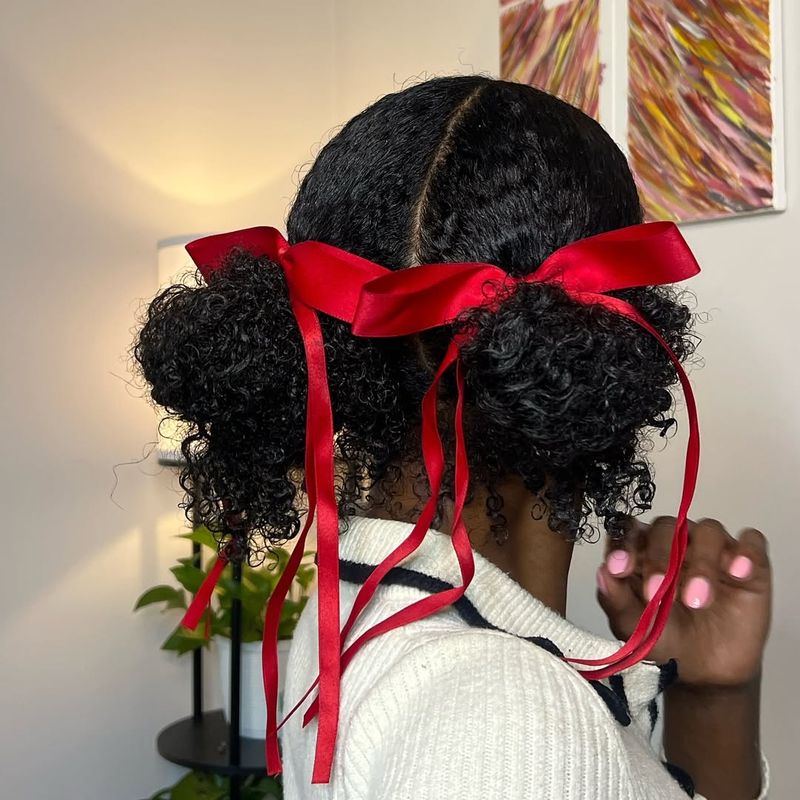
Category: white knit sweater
<point>471,702</point>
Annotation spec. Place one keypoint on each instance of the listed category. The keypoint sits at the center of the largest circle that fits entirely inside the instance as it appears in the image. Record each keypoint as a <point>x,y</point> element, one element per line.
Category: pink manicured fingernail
<point>697,593</point>
<point>602,585</point>
<point>741,567</point>
<point>617,562</point>
<point>651,587</point>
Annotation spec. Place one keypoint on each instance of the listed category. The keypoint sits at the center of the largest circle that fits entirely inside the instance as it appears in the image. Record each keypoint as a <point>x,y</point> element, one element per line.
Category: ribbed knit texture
<point>462,705</point>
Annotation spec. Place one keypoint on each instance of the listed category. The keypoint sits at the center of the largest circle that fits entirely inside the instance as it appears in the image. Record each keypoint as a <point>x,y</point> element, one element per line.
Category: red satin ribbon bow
<point>380,302</point>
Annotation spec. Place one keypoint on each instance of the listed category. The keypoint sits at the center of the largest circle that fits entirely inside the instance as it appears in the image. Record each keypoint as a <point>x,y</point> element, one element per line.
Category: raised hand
<point>720,620</point>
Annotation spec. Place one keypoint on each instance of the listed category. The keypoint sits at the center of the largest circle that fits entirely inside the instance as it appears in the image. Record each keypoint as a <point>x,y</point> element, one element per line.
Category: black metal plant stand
<point>204,741</point>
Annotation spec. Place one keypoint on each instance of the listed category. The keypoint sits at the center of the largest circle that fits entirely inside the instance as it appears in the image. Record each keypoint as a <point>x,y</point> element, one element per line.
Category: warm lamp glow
<point>183,98</point>
<point>174,265</point>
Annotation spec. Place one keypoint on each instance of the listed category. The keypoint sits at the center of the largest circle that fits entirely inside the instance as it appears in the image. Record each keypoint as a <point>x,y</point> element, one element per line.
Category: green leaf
<point>290,615</point>
<point>198,786</point>
<point>228,588</point>
<point>182,640</point>
<point>253,601</point>
<point>174,598</point>
<point>305,576</point>
<point>252,632</point>
<point>275,561</point>
<point>264,581</point>
<point>221,622</point>
<point>266,788</point>
<point>257,793</point>
<point>189,576</point>
<point>202,535</point>
<point>220,627</point>
<point>292,608</point>
<point>254,604</point>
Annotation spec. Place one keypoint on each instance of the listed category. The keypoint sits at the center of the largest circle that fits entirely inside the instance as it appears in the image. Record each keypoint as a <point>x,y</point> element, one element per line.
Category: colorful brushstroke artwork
<point>700,107</point>
<point>553,46</point>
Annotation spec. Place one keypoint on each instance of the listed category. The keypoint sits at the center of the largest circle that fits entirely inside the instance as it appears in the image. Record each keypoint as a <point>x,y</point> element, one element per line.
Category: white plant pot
<point>253,706</point>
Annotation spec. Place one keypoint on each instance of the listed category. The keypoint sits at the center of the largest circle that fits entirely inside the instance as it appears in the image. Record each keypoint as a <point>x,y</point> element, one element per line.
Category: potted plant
<point>254,591</point>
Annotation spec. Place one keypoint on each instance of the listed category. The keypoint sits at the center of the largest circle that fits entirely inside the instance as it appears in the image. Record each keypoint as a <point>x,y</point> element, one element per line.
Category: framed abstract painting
<point>691,89</point>
<point>555,47</point>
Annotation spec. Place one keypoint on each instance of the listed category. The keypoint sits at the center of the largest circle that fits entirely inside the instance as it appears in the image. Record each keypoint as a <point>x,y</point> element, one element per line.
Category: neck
<point>534,556</point>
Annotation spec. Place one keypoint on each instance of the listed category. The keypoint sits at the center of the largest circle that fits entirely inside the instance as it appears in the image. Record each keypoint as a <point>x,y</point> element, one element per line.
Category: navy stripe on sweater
<point>354,572</point>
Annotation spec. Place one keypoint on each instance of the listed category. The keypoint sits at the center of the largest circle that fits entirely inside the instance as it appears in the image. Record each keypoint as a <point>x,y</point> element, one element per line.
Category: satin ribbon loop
<point>209,253</point>
<point>414,300</point>
<point>328,279</point>
<point>651,254</point>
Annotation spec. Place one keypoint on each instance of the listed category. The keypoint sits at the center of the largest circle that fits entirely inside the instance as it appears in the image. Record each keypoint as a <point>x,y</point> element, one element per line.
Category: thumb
<point>621,603</point>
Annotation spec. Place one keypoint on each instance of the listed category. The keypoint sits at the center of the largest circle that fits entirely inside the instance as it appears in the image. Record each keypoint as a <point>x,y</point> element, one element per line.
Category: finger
<point>620,560</point>
<point>747,557</point>
<point>620,601</point>
<point>655,548</point>
<point>708,543</point>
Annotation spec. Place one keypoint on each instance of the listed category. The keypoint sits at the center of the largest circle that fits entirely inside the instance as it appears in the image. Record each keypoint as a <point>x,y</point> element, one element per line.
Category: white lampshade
<point>173,266</point>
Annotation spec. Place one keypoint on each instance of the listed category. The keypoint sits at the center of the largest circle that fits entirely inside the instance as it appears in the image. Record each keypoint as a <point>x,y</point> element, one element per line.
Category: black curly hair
<point>562,395</point>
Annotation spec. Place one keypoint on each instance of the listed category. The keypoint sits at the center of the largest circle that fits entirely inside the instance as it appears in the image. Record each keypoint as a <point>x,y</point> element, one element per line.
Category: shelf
<point>204,746</point>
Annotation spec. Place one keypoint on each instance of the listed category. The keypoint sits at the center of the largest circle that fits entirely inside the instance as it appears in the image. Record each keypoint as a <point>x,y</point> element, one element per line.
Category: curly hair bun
<point>227,359</point>
<point>558,388</point>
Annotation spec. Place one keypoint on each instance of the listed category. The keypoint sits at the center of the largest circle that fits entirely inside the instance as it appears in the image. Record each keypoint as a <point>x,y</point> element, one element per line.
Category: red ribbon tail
<point>434,461</point>
<point>202,600</point>
<point>269,647</point>
<point>320,481</point>
<point>656,614</point>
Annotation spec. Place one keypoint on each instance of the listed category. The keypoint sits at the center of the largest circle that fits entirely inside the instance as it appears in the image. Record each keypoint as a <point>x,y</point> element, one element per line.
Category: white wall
<point>121,123</point>
<point>126,123</point>
<point>749,387</point>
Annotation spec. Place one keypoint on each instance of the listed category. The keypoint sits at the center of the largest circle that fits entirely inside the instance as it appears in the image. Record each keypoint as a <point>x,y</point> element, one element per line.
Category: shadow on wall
<point>196,104</point>
<point>82,262</point>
